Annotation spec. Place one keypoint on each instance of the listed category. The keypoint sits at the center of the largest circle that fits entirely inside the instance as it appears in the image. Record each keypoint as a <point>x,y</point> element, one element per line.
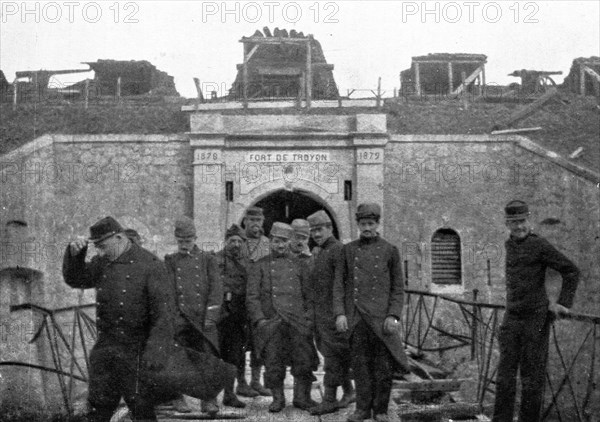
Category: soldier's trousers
<point>234,333</point>
<point>373,366</point>
<point>288,346</point>
<point>114,373</point>
<point>523,345</point>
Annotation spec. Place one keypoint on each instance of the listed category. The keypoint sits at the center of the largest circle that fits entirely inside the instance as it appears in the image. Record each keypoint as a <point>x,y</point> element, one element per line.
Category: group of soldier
<point>271,296</point>
<point>281,301</point>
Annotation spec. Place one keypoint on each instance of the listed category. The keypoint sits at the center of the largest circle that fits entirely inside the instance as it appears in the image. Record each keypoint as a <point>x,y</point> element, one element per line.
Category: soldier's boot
<point>349,395</point>
<point>278,403</point>
<point>302,399</point>
<point>210,407</point>
<point>329,403</point>
<point>180,406</point>
<point>243,389</point>
<point>230,399</point>
<point>256,385</point>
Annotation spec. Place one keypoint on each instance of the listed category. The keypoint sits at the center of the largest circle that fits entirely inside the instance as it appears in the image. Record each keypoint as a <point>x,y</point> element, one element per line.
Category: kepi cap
<point>516,210</point>
<point>318,219</point>
<point>282,230</point>
<point>184,227</point>
<point>301,226</point>
<point>254,212</point>
<point>103,229</point>
<point>368,210</point>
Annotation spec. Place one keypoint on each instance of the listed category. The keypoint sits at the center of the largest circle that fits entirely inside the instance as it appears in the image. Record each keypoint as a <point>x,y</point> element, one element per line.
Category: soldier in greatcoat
<point>198,295</point>
<point>367,303</point>
<point>133,316</point>
<point>333,345</point>
<point>234,331</point>
<point>279,301</point>
<point>256,246</point>
<point>525,328</point>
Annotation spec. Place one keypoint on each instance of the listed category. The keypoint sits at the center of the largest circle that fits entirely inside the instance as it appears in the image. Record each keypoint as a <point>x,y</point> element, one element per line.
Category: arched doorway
<point>285,206</point>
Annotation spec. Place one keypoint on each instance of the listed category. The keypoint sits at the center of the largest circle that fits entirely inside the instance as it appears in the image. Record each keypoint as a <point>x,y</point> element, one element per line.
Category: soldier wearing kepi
<point>133,317</point>
<point>257,246</point>
<point>525,329</point>
<point>233,327</point>
<point>299,245</point>
<point>279,302</point>
<point>368,304</point>
<point>333,345</point>
<point>198,295</point>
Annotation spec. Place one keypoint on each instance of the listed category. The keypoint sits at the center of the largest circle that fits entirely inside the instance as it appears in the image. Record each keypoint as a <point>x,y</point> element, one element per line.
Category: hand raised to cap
<point>78,246</point>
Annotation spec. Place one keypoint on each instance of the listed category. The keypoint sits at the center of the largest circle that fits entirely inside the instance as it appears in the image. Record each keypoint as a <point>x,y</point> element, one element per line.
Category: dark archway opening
<point>285,206</point>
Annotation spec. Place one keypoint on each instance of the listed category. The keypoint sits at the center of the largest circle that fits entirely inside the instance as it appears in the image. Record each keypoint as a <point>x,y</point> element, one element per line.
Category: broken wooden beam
<point>429,385</point>
<point>449,410</point>
<point>468,81</point>
<point>521,130</point>
<point>528,110</point>
<point>576,153</point>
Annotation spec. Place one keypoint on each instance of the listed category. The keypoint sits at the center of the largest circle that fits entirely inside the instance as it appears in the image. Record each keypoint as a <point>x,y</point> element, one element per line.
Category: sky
<point>364,40</point>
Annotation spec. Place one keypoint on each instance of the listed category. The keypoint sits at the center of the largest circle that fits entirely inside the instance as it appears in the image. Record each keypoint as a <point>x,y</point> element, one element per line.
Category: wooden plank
<point>448,410</point>
<point>529,109</point>
<point>450,77</point>
<point>525,129</point>
<point>429,385</point>
<point>273,40</point>
<point>468,81</point>
<point>308,71</point>
<point>591,72</point>
<point>417,79</point>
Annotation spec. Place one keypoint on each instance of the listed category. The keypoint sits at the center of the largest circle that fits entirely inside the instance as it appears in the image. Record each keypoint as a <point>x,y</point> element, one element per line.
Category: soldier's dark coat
<point>133,298</point>
<point>234,332</point>
<point>134,320</point>
<point>198,289</point>
<point>525,329</point>
<point>328,266</point>
<point>372,288</point>
<point>279,292</point>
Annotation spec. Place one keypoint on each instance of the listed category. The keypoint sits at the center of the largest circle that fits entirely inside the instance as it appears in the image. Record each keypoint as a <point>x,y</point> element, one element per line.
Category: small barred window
<point>445,257</point>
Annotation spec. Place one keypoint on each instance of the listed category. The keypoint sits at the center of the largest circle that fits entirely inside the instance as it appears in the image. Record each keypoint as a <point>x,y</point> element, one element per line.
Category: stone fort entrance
<point>290,165</point>
<point>285,206</point>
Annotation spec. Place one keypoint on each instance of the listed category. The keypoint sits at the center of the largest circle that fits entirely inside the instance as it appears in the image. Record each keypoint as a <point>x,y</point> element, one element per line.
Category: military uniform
<point>278,292</point>
<point>525,328</point>
<point>333,345</point>
<point>233,326</point>
<point>255,249</point>
<point>371,290</point>
<point>198,296</point>
<point>134,322</point>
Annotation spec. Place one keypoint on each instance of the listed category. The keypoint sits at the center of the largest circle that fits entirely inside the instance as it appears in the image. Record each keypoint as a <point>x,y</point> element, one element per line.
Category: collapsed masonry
<point>584,76</point>
<point>138,77</point>
<point>280,65</point>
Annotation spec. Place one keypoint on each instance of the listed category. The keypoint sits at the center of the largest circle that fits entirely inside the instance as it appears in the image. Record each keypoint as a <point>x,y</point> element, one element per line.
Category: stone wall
<point>59,186</point>
<point>463,183</point>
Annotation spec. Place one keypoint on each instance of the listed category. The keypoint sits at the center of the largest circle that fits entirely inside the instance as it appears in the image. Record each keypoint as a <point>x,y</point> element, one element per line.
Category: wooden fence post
<point>15,94</point>
<point>474,325</point>
<point>86,93</point>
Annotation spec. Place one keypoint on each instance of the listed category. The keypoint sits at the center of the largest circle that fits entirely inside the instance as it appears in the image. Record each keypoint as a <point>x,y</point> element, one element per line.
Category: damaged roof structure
<point>138,77</point>
<point>441,73</point>
<point>283,65</point>
<point>584,76</point>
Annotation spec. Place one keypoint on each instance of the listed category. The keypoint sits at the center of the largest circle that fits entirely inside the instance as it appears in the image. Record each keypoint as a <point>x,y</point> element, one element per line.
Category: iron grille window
<point>445,257</point>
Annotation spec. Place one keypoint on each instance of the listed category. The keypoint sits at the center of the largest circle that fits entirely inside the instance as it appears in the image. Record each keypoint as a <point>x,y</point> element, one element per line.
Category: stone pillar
<point>208,141</point>
<point>369,143</point>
